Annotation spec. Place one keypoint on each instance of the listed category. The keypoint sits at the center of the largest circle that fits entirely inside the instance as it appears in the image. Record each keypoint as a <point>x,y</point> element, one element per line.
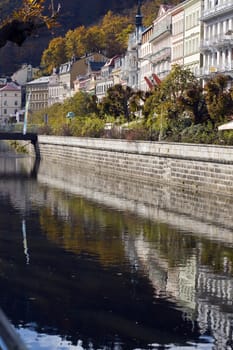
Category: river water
<point>89,261</point>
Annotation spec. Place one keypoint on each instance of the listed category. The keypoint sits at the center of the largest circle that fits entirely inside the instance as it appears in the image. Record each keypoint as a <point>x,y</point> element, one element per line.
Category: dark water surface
<point>92,262</point>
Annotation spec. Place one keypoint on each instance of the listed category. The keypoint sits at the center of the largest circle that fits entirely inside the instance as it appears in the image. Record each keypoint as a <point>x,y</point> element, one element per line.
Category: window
<point>5,111</point>
<point>16,103</point>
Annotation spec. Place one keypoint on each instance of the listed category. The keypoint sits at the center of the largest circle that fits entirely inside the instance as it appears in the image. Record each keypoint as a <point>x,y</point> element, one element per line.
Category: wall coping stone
<point>201,152</point>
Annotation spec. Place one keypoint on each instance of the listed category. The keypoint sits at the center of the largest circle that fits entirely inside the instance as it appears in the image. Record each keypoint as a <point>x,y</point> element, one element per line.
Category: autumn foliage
<point>26,20</point>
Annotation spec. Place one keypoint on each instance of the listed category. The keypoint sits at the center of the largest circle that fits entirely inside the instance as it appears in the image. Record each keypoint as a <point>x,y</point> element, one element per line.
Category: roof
<point>110,61</point>
<point>41,80</point>
<point>10,87</point>
<point>96,66</point>
<point>65,67</point>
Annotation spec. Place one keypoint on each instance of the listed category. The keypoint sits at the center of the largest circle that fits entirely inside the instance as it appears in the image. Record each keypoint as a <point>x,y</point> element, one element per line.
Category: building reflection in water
<point>205,295</point>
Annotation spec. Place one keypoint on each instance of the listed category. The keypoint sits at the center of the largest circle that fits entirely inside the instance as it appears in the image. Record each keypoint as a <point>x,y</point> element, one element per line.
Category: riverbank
<point>198,167</point>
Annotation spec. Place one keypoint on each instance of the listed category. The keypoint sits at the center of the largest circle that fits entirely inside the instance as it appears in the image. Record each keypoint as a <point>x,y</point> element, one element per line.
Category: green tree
<point>81,104</point>
<point>74,43</point>
<point>113,26</point>
<point>194,103</point>
<point>116,103</point>
<point>218,98</point>
<point>93,39</point>
<point>171,102</point>
<point>54,55</point>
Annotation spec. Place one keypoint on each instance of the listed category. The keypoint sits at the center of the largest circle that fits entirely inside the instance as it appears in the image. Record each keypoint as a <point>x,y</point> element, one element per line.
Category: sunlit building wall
<point>144,62</point>
<point>217,43</point>
<point>161,42</point>
<point>192,35</point>
<point>177,38</point>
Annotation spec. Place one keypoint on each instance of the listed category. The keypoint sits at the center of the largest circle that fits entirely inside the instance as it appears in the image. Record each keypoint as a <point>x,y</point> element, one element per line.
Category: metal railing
<point>18,127</point>
<point>217,41</point>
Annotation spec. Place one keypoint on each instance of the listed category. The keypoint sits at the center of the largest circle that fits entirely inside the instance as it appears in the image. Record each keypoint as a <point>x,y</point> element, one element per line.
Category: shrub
<point>92,127</point>
<point>200,133</point>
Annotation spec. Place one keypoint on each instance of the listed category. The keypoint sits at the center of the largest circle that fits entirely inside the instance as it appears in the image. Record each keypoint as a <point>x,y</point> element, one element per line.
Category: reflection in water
<point>25,245</point>
<point>13,164</point>
<point>115,264</point>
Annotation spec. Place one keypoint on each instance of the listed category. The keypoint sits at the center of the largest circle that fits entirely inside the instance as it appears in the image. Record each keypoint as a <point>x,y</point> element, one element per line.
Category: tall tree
<point>74,42</point>
<point>178,95</point>
<point>54,55</point>
<point>112,25</point>
<point>218,98</point>
<point>93,39</point>
<point>117,102</point>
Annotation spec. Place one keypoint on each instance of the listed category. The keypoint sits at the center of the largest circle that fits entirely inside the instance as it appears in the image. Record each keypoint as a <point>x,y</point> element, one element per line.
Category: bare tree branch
<point>26,21</point>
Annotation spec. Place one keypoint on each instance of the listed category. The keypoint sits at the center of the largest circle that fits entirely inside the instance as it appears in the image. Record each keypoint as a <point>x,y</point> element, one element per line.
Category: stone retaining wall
<point>199,167</point>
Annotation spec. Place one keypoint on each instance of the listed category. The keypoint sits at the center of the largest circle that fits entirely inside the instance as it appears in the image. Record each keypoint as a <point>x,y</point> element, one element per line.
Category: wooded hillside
<point>73,15</point>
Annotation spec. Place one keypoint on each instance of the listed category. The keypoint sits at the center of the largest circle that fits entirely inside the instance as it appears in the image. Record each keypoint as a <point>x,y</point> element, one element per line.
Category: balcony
<point>222,40</point>
<point>217,10</point>
<point>161,30</point>
<point>162,55</point>
<point>215,69</point>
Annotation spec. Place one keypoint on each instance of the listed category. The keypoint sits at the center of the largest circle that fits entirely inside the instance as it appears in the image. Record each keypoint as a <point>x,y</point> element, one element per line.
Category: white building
<point>10,101</point>
<point>145,65</point>
<point>87,82</point>
<point>55,89</point>
<point>177,38</point>
<point>130,64</point>
<point>217,44</point>
<point>64,82</point>
<point>161,42</point>
<point>192,35</point>
<point>106,79</point>
<point>38,91</point>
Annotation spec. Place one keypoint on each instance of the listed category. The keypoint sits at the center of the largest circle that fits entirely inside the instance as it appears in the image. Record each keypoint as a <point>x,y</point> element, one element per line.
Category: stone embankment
<point>198,167</point>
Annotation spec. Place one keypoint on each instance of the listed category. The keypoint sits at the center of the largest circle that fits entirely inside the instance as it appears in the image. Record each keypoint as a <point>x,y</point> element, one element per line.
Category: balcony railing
<point>214,69</point>
<point>166,28</point>
<point>221,40</point>
<point>162,55</point>
<point>223,7</point>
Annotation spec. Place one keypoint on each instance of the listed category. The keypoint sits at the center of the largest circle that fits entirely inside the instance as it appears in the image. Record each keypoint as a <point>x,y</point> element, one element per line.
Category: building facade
<point>70,76</point>
<point>217,43</point>
<point>177,38</point>
<point>130,64</point>
<point>37,94</point>
<point>145,65</point>
<point>195,34</point>
<point>106,79</point>
<point>161,42</point>
<point>87,82</point>
<point>10,102</point>
<point>192,35</point>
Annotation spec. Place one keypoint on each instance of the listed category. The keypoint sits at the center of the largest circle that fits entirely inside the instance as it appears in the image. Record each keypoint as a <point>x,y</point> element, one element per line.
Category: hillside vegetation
<point>75,15</point>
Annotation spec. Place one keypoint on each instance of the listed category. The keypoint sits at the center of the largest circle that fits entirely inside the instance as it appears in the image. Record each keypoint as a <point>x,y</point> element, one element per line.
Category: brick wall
<point>199,167</point>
